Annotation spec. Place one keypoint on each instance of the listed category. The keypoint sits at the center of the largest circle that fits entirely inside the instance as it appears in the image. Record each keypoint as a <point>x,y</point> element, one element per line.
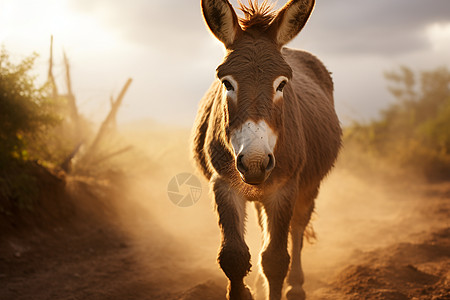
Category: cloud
<point>157,24</point>
<point>348,27</point>
<point>381,27</point>
<point>173,55</point>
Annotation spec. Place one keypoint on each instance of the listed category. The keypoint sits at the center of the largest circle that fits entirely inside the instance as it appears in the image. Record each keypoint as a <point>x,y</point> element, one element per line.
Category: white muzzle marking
<point>253,137</point>
<point>253,144</point>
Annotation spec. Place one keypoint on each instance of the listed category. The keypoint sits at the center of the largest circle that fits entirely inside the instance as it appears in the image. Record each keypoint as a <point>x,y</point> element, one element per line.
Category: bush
<point>26,111</point>
<point>26,114</point>
<point>414,132</point>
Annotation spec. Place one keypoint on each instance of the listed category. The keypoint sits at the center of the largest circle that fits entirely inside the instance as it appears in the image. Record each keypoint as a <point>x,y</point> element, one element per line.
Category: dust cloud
<point>356,212</point>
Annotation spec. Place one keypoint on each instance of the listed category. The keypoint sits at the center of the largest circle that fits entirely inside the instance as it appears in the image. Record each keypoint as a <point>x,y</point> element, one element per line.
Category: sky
<point>167,49</point>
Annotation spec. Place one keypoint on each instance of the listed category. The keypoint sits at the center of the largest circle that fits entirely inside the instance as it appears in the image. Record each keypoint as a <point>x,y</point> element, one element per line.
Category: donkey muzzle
<point>253,144</point>
<point>255,169</point>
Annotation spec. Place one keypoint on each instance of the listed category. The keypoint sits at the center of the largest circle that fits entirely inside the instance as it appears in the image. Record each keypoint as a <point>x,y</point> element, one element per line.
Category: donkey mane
<point>256,15</point>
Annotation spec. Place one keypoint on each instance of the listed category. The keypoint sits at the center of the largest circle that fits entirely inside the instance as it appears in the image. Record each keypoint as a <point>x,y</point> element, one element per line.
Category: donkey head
<point>255,78</point>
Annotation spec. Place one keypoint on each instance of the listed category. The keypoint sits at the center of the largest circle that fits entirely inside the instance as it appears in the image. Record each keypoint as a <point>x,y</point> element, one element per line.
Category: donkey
<point>266,132</point>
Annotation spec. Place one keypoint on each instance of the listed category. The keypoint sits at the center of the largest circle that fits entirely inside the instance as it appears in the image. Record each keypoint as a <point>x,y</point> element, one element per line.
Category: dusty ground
<point>122,238</point>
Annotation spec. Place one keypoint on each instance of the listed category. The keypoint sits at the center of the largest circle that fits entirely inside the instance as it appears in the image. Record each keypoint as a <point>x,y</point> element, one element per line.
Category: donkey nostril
<point>271,163</point>
<point>240,165</point>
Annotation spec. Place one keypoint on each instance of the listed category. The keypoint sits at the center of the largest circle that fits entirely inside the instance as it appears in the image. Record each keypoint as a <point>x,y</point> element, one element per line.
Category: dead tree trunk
<point>70,96</point>
<point>51,78</point>
<point>107,125</point>
<point>110,117</point>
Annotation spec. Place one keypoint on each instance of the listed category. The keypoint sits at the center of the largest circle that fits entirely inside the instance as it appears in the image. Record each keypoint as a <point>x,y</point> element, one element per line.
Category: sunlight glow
<point>24,23</point>
<point>439,35</point>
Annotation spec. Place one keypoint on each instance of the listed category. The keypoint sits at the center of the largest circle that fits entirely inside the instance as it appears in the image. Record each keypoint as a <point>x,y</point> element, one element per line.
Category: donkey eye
<point>228,85</point>
<point>281,86</point>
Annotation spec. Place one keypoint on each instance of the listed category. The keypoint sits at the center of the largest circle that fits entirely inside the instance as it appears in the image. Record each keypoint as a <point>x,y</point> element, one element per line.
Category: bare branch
<point>70,96</point>
<point>111,116</point>
<point>51,78</point>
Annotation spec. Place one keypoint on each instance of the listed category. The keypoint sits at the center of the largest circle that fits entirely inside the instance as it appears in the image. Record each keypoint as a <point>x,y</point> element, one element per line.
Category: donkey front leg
<point>295,277</point>
<point>234,255</point>
<point>303,209</point>
<point>275,258</point>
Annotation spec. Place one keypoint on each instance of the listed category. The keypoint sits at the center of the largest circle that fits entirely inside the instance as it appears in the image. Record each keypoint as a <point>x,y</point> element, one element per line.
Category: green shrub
<point>26,115</point>
<point>26,111</point>
<point>414,132</point>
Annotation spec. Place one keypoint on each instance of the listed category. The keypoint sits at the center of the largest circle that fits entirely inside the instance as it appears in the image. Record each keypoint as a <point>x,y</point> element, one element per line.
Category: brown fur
<point>309,138</point>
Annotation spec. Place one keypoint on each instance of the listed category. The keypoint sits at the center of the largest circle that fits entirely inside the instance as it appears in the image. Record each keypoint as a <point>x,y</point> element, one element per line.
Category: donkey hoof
<point>295,293</point>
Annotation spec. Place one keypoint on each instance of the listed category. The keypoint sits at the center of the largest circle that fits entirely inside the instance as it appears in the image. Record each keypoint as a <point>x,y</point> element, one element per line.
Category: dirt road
<point>376,240</point>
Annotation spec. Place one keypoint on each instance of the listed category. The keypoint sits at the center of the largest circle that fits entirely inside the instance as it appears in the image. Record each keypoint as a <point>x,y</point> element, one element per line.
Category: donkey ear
<point>290,19</point>
<point>221,20</point>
